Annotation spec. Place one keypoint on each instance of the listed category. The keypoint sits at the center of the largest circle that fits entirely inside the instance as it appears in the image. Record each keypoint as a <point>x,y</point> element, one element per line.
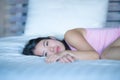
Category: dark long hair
<point>30,46</point>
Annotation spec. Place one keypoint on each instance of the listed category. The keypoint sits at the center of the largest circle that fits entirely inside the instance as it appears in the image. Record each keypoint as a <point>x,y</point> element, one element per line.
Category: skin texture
<point>84,50</point>
<point>113,51</point>
<point>55,50</point>
<point>48,47</point>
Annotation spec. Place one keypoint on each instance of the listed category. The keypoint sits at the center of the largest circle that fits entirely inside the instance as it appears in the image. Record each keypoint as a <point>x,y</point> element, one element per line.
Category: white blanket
<point>15,66</point>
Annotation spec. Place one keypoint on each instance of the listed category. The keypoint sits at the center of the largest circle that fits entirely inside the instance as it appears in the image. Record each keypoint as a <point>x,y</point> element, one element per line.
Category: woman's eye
<point>45,54</point>
<point>46,43</point>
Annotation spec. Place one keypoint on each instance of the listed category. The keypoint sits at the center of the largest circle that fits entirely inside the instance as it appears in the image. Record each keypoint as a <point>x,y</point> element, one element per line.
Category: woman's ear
<point>52,37</point>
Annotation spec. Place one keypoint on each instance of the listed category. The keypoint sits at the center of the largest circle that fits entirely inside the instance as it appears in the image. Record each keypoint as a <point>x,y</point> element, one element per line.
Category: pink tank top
<point>99,39</point>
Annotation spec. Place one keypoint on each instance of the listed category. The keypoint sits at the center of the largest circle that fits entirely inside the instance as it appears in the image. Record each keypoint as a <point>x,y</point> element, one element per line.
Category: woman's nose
<point>51,49</point>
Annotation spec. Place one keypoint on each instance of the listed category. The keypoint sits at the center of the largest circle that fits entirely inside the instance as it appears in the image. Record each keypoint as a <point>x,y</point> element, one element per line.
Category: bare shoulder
<point>71,32</point>
<point>75,37</point>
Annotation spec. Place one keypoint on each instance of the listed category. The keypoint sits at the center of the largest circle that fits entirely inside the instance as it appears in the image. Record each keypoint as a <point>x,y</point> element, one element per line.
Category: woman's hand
<point>63,57</point>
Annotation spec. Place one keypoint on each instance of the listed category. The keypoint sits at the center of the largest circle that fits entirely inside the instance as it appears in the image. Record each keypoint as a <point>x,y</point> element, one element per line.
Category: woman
<point>78,44</point>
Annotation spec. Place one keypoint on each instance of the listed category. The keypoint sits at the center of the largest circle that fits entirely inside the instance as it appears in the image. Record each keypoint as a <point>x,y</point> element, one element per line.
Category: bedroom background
<point>16,19</point>
<point>13,15</point>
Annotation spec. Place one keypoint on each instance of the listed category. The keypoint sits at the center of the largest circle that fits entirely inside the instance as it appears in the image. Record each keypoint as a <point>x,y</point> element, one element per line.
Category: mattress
<point>15,66</point>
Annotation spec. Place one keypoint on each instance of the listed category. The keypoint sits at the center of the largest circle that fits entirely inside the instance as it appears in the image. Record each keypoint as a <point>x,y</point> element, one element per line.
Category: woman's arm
<point>70,56</point>
<point>76,38</point>
<point>84,55</point>
<point>112,51</point>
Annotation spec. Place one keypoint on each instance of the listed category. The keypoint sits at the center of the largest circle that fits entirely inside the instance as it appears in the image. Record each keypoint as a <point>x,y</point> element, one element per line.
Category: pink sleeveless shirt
<point>99,39</point>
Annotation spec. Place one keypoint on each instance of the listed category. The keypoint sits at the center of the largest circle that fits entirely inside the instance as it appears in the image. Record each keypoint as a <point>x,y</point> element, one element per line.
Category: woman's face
<point>47,47</point>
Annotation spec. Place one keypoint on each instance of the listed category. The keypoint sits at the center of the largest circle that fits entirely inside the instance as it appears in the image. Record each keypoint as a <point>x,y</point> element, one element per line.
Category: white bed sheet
<point>14,66</point>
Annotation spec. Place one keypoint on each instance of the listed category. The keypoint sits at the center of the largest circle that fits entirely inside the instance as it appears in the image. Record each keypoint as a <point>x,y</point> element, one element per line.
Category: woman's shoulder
<point>74,35</point>
<point>76,38</point>
<point>80,31</point>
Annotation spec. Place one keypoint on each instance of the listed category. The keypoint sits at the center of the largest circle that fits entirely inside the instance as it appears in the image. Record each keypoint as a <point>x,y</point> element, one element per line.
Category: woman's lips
<point>57,49</point>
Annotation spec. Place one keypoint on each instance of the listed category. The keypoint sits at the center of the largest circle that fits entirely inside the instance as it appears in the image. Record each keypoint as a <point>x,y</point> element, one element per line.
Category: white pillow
<point>52,17</point>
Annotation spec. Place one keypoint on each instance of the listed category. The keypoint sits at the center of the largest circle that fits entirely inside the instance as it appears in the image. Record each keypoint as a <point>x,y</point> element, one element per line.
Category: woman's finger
<point>70,58</point>
<point>52,58</point>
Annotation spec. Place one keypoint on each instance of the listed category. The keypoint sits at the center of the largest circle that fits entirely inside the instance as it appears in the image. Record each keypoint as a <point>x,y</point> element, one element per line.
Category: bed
<point>15,66</point>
